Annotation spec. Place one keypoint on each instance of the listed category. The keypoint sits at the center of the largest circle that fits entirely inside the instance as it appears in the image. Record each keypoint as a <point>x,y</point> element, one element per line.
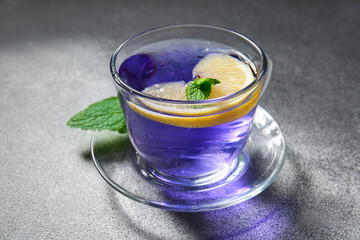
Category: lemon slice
<point>233,74</point>
<point>168,90</point>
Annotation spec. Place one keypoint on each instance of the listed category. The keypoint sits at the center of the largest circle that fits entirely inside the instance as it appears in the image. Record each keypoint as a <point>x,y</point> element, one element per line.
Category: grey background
<point>54,58</point>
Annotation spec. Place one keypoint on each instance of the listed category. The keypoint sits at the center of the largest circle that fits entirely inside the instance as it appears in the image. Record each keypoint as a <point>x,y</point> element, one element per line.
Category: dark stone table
<point>54,61</point>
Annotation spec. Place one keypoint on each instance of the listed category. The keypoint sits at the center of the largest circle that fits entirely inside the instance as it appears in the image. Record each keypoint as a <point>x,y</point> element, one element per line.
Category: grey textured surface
<point>54,58</point>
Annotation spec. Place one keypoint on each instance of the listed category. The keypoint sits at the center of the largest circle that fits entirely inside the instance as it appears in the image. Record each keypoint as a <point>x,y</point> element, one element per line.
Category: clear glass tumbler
<point>187,144</point>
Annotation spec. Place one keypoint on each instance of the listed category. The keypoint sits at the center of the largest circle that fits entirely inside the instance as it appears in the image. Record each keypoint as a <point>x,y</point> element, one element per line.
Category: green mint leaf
<point>200,88</point>
<point>103,115</point>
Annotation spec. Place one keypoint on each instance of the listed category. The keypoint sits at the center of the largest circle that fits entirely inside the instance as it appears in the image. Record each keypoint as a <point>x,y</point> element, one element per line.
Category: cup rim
<point>131,90</point>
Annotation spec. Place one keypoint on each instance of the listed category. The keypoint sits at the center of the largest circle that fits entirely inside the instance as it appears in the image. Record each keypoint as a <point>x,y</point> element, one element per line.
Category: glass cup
<point>187,145</point>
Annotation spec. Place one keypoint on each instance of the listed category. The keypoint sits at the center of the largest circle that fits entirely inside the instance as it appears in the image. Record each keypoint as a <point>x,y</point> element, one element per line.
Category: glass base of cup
<point>265,152</point>
<point>177,183</point>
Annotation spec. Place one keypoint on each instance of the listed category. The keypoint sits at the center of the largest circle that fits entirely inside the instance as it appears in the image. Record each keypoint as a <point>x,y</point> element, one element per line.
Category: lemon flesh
<point>168,90</point>
<point>232,73</point>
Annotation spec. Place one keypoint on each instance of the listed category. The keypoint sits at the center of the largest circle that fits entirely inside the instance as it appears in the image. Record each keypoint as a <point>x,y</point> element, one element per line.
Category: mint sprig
<point>200,88</point>
<point>102,115</point>
<point>107,114</point>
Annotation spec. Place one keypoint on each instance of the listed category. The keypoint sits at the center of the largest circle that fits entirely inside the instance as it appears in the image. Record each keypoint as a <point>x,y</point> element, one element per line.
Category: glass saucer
<point>264,155</point>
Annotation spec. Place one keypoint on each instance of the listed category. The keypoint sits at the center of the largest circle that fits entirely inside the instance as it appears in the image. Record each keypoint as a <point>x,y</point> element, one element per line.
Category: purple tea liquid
<point>171,151</point>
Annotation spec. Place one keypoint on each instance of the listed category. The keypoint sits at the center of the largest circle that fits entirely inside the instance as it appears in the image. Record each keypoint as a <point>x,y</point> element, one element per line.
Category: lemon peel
<point>199,121</point>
